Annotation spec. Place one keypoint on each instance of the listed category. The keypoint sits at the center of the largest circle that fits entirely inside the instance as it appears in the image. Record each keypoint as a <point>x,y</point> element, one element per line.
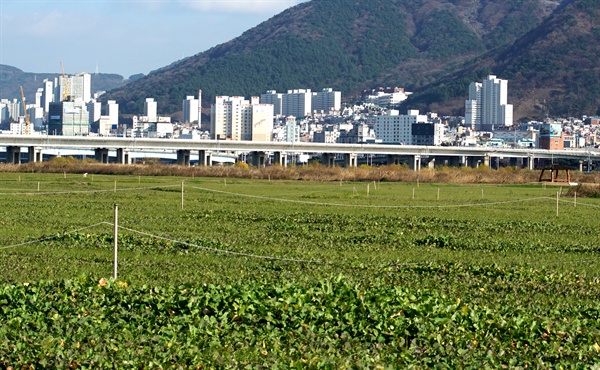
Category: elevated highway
<point>395,154</point>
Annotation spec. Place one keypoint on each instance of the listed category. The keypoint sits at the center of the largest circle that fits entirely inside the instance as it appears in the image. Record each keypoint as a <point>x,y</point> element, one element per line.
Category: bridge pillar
<point>34,154</point>
<point>328,159</point>
<point>123,156</point>
<point>487,160</point>
<point>350,160</point>
<point>204,158</point>
<point>101,155</point>
<point>183,157</point>
<point>13,154</point>
<point>393,160</point>
<point>259,159</point>
<point>280,158</point>
<point>530,162</point>
<point>416,163</point>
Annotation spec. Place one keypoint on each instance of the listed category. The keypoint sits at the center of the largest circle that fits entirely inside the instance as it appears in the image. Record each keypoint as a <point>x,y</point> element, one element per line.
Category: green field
<point>291,274</point>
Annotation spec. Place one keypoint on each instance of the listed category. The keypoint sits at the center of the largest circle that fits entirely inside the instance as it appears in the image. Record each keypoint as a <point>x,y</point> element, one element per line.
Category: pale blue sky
<point>121,36</point>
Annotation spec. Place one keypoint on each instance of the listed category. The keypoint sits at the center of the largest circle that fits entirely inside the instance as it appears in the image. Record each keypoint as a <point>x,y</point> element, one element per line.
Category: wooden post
<point>116,236</point>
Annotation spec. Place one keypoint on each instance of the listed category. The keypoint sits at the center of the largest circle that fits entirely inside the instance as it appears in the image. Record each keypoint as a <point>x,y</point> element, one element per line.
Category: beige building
<point>235,118</point>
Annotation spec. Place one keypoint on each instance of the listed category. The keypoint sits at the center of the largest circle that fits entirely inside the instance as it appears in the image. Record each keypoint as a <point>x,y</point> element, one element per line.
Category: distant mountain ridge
<point>11,78</point>
<point>347,45</point>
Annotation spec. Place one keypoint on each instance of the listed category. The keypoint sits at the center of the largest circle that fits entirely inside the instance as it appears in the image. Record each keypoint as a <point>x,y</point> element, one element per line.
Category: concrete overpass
<point>394,154</point>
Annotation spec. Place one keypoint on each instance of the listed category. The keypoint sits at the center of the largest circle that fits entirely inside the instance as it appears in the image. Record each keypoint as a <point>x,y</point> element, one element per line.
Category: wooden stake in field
<point>374,185</point>
<point>481,194</point>
<point>182,195</point>
<point>139,179</point>
<point>557,195</point>
<point>413,193</point>
<point>438,194</point>
<point>38,186</point>
<point>115,186</point>
<point>368,189</point>
<point>116,244</point>
<point>575,200</point>
<point>64,175</point>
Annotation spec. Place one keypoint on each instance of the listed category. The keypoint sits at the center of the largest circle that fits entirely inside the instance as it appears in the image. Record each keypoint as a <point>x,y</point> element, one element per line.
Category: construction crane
<point>67,90</point>
<point>28,124</point>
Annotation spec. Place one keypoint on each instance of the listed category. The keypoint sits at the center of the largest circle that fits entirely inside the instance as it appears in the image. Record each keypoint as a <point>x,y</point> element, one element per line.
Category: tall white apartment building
<point>488,104</point>
<point>75,87</point>
<point>393,128</point>
<point>191,109</point>
<point>275,98</point>
<point>327,101</point>
<point>291,130</point>
<point>235,118</point>
<point>47,94</point>
<point>112,111</point>
<point>150,109</point>
<point>95,110</point>
<point>297,103</point>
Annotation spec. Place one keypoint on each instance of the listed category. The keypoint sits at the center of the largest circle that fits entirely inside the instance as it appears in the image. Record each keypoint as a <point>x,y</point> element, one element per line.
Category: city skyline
<point>130,37</point>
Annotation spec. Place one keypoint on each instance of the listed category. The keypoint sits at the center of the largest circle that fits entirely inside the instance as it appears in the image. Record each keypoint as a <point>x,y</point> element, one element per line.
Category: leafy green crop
<point>285,279</point>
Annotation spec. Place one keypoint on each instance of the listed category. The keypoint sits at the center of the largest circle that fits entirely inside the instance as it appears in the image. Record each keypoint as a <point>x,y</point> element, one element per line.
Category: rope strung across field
<point>54,236</point>
<point>91,191</point>
<point>367,205</point>
<point>224,251</point>
<point>579,203</point>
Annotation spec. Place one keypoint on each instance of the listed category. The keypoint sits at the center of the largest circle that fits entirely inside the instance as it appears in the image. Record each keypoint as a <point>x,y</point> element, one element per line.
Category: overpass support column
<point>416,163</point>
<point>530,162</point>
<point>393,159</point>
<point>101,155</point>
<point>462,161</point>
<point>259,159</point>
<point>487,160</point>
<point>13,154</point>
<point>34,154</point>
<point>328,159</point>
<point>123,156</point>
<point>350,160</point>
<point>204,158</point>
<point>183,157</point>
<point>280,158</point>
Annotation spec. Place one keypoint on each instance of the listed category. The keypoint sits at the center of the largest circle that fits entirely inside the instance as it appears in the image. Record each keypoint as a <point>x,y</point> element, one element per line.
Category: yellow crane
<point>67,90</point>
<point>28,124</point>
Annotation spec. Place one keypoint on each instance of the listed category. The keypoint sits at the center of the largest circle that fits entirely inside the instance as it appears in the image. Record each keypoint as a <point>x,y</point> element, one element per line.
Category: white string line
<point>90,191</point>
<point>219,250</point>
<point>365,205</point>
<point>53,236</point>
<point>579,203</point>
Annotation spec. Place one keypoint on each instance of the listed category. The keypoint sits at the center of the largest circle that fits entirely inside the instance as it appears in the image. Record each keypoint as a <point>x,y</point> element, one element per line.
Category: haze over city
<point>123,37</point>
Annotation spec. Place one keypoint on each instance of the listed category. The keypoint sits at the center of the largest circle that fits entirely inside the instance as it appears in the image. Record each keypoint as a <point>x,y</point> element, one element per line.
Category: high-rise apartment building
<point>274,98</point>
<point>150,109</point>
<point>297,103</point>
<point>235,118</point>
<point>191,109</point>
<point>488,104</point>
<point>327,101</point>
<point>393,128</point>
<point>75,87</point>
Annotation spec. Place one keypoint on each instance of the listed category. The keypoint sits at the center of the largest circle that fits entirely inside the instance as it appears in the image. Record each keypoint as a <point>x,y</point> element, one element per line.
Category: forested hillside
<point>346,45</point>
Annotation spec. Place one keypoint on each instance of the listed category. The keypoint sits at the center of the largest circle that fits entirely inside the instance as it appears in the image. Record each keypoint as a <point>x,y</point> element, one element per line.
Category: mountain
<point>12,78</point>
<point>552,69</point>
<point>343,44</point>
